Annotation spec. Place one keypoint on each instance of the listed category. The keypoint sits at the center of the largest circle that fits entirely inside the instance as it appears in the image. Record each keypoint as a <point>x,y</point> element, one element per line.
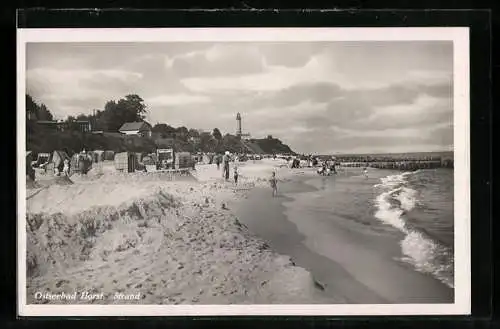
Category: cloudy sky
<point>324,97</point>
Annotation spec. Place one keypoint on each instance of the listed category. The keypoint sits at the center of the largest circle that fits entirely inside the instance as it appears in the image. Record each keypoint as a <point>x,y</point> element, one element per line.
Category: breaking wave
<point>396,199</point>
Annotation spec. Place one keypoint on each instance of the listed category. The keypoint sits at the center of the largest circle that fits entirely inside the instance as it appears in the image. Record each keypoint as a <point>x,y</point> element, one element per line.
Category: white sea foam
<point>392,180</point>
<point>423,253</point>
<point>407,197</point>
<point>427,257</point>
<point>387,214</point>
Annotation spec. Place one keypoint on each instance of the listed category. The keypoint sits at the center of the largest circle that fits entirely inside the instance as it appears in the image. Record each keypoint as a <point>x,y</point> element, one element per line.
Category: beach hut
<point>148,160</point>
<point>93,156</point>
<point>41,159</point>
<point>56,161</point>
<point>98,155</point>
<point>109,155</point>
<point>80,163</point>
<point>139,156</point>
<point>126,161</point>
<point>183,160</point>
<point>29,157</point>
<point>73,166</point>
<point>30,172</point>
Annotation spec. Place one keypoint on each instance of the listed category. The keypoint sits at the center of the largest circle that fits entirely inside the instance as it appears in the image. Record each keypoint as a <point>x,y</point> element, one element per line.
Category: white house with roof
<point>140,128</point>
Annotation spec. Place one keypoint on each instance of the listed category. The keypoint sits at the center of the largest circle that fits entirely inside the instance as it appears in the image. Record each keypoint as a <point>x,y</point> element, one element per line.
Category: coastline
<point>205,241</point>
<point>284,237</point>
<point>350,257</point>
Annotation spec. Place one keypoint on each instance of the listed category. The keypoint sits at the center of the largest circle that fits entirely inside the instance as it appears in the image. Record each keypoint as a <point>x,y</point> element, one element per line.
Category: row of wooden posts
<point>401,165</point>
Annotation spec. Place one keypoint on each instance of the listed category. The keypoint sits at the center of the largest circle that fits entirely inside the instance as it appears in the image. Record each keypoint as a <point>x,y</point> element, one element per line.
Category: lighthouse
<point>238,124</point>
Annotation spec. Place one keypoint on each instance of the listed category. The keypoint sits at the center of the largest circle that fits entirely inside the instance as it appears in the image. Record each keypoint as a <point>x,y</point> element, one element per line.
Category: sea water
<point>420,204</point>
<point>411,209</point>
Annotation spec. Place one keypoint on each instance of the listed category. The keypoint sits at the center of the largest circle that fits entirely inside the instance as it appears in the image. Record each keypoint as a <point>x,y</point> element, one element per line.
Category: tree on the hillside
<point>231,143</point>
<point>182,133</point>
<point>163,130</point>
<point>71,123</point>
<point>30,104</point>
<point>37,112</point>
<point>83,117</point>
<point>128,109</point>
<point>193,133</point>
<point>207,142</point>
<point>134,107</point>
<point>216,133</point>
<point>44,113</point>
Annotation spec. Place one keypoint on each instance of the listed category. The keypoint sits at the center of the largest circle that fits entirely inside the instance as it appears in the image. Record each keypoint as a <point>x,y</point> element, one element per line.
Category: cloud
<point>219,60</point>
<point>425,110</point>
<point>177,99</point>
<point>400,132</point>
<point>289,54</point>
<point>317,69</point>
<point>63,90</point>
<point>341,140</point>
<point>377,95</point>
<point>320,92</point>
<point>102,55</point>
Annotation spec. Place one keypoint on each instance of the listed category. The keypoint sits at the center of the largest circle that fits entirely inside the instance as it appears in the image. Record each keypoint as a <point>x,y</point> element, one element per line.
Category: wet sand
<point>348,260</point>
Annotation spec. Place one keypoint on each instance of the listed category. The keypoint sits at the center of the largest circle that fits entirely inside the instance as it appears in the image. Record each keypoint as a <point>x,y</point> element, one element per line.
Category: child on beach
<point>274,184</point>
<point>66,167</point>
<point>235,175</point>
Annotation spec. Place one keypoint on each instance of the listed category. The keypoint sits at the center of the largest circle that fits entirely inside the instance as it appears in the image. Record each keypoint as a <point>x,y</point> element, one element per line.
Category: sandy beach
<point>170,241</point>
<point>200,240</point>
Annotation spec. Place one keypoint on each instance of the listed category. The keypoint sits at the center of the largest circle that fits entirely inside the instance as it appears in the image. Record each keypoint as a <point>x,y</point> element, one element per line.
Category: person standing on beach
<point>217,161</point>
<point>236,175</point>
<point>365,172</point>
<point>225,163</point>
<point>66,167</point>
<point>82,163</point>
<point>274,184</point>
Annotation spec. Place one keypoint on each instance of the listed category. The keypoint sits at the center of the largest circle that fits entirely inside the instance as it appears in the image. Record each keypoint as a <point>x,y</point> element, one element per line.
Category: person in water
<point>274,184</point>
<point>333,165</point>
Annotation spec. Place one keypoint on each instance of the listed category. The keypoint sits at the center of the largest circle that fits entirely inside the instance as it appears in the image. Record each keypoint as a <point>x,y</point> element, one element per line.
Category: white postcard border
<point>460,38</point>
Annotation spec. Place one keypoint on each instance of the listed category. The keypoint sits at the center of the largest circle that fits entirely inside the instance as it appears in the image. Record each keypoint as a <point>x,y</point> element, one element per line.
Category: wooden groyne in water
<point>398,164</point>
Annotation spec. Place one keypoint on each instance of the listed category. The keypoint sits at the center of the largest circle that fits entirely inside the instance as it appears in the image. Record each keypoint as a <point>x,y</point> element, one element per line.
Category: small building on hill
<point>52,124</point>
<point>81,125</point>
<point>141,128</point>
<point>84,125</point>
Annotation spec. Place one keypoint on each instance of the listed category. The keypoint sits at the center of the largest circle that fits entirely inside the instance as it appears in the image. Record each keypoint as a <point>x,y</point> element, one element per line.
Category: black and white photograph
<point>243,171</point>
